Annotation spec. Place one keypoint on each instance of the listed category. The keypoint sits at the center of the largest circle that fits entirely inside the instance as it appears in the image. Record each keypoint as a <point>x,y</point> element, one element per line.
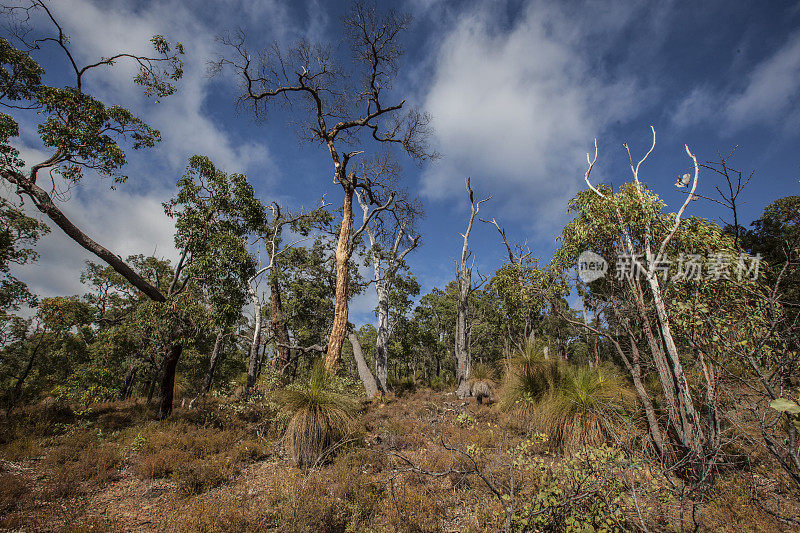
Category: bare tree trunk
<point>382,339</point>
<point>279,328</point>
<point>252,363</point>
<point>125,393</point>
<point>213,361</point>
<point>364,373</point>
<point>463,363</point>
<point>340,309</point>
<point>689,419</point>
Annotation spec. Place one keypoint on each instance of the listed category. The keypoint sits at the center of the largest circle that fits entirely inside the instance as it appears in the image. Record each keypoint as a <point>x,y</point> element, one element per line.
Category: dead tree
<point>465,288</point>
<point>338,114</point>
<point>392,227</point>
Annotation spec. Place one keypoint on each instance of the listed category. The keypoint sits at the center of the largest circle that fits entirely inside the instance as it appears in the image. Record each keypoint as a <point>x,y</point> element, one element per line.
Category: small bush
<point>200,475</point>
<point>319,419</point>
<point>482,382</point>
<point>529,376</point>
<point>12,489</point>
<point>79,458</point>
<point>404,386</point>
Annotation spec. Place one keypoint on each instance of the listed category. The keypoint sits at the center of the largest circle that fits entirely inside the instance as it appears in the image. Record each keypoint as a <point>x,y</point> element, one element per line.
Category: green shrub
<point>529,376</point>
<point>319,418</point>
<point>573,405</point>
<point>584,407</point>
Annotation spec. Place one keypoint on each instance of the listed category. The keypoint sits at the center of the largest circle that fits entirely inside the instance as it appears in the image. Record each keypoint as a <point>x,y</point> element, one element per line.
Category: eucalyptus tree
<point>18,235</point>
<point>214,213</point>
<point>644,301</point>
<point>391,237</point>
<point>270,236</point>
<point>77,131</point>
<point>343,106</point>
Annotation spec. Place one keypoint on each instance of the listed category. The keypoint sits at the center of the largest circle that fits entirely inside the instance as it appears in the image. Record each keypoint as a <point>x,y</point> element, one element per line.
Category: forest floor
<point>425,461</point>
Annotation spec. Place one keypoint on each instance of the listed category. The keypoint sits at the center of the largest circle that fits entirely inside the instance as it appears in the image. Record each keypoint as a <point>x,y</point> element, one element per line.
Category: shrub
<point>200,475</point>
<point>12,489</point>
<point>573,405</point>
<point>320,418</point>
<point>404,386</point>
<point>529,376</point>
<point>583,407</point>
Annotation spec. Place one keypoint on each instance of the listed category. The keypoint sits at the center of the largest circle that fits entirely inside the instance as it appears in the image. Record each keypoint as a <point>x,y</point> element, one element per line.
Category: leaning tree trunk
<point>252,364</point>
<point>279,328</point>
<point>213,361</point>
<point>382,339</point>
<point>340,310</point>
<point>370,385</point>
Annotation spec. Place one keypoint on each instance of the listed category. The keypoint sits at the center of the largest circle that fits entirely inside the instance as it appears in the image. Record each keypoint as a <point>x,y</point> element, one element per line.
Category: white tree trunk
<point>252,364</point>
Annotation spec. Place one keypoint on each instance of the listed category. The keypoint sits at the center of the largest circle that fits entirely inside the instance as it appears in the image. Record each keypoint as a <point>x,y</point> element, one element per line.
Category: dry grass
<point>217,478</point>
<point>79,460</point>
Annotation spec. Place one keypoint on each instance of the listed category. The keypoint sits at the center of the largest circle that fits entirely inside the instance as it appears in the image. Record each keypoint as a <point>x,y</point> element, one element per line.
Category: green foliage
<point>529,376</point>
<point>87,387</point>
<point>584,492</point>
<point>320,419</point>
<point>18,234</point>
<point>573,405</point>
<point>584,406</point>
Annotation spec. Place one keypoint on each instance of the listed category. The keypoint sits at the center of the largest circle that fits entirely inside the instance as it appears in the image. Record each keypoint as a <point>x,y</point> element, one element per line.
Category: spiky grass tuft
<point>320,418</point>
<point>482,382</point>
<point>584,407</point>
<point>572,405</point>
<point>529,376</point>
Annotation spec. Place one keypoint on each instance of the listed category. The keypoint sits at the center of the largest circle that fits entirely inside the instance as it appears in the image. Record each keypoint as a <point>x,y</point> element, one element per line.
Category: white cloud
<point>772,87</point>
<point>98,29</point>
<point>126,223</point>
<point>518,109</point>
<point>768,95</point>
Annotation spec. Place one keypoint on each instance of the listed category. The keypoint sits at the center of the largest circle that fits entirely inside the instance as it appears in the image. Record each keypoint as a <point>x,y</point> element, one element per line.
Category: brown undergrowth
<point>424,462</point>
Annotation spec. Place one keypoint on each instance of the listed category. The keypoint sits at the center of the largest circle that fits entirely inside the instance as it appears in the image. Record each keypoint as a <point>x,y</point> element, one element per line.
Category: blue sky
<point>517,91</point>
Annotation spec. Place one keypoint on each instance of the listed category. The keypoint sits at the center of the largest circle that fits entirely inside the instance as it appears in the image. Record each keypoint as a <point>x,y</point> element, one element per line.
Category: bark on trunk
<point>382,339</point>
<point>463,365</point>
<point>690,421</point>
<point>252,363</point>
<point>168,380</point>
<point>364,373</point>
<point>24,375</point>
<point>279,328</point>
<point>213,361</point>
<point>340,310</point>
<point>125,393</point>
